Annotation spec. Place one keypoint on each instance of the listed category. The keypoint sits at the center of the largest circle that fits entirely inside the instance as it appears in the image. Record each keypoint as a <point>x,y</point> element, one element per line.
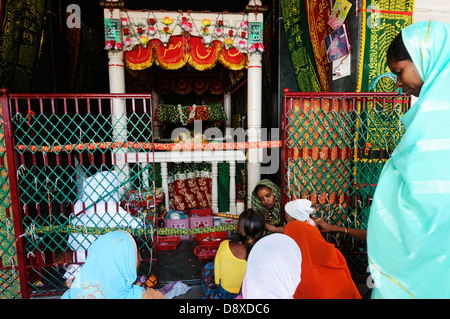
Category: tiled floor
<point>182,264</point>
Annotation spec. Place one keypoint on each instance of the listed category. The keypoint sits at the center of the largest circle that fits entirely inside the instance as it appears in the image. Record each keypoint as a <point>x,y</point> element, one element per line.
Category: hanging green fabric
<point>299,43</point>
<point>382,20</point>
<point>19,43</point>
<point>223,181</point>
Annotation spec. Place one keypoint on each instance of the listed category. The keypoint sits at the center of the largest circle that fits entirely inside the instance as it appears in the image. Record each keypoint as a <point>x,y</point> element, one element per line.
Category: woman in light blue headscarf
<point>110,271</point>
<point>409,224</point>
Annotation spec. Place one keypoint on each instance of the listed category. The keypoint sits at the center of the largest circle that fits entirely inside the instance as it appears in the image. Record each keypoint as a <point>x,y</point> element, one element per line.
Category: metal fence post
<point>13,187</point>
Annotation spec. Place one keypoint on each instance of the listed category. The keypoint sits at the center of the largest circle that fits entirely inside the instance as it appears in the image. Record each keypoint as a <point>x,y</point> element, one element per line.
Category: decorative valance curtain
<point>182,50</point>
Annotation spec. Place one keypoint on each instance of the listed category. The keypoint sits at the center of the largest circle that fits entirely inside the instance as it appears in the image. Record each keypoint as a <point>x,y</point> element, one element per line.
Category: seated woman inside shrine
<point>222,279</point>
<point>266,197</point>
<point>98,208</point>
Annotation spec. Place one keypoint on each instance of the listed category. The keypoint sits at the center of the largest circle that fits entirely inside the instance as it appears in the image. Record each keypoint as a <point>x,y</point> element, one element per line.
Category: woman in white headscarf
<point>273,269</point>
<point>98,206</point>
<point>302,210</point>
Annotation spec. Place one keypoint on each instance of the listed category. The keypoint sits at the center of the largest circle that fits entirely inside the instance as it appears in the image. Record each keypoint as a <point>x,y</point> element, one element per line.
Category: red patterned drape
<point>317,12</point>
<point>190,193</point>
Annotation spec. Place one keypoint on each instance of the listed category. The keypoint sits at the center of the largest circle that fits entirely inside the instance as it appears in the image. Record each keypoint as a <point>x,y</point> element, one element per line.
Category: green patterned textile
<point>299,43</point>
<point>19,43</point>
<point>378,30</point>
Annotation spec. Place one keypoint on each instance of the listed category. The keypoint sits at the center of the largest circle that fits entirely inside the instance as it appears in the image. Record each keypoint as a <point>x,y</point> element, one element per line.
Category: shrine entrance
<point>203,71</point>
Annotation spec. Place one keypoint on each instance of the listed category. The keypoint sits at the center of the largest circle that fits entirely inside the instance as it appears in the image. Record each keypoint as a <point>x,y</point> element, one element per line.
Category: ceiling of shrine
<point>194,5</point>
<point>92,13</point>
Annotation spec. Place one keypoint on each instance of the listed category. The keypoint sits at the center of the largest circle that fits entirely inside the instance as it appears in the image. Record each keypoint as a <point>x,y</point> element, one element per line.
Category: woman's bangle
<point>345,231</point>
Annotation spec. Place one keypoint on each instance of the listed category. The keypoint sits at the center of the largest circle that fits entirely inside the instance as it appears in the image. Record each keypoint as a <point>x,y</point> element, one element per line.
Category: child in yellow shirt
<point>222,279</point>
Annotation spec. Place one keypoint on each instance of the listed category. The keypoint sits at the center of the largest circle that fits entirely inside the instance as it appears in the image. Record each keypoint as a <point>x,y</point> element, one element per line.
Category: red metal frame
<point>13,187</point>
<point>9,103</point>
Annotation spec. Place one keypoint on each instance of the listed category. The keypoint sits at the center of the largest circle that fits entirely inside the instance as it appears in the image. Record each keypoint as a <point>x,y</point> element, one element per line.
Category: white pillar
<point>165,184</point>
<point>116,71</point>
<point>254,92</point>
<point>254,123</point>
<point>155,103</point>
<point>214,190</point>
<point>227,109</point>
<point>117,85</point>
<point>232,187</point>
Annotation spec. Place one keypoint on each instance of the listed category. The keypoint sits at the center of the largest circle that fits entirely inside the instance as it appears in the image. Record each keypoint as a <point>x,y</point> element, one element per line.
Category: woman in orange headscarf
<point>325,274</point>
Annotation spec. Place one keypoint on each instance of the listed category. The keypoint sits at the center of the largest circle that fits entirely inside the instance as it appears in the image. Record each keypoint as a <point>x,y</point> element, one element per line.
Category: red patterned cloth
<point>190,193</point>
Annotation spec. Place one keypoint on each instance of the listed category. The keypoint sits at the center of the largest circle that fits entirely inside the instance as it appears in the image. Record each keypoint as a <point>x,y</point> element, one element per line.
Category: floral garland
<point>213,112</point>
<point>233,34</point>
<point>191,115</point>
<point>180,111</point>
<point>256,47</point>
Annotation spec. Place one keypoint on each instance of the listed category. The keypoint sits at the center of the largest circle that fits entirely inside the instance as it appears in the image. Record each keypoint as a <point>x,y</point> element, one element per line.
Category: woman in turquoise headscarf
<point>409,224</point>
<point>110,271</point>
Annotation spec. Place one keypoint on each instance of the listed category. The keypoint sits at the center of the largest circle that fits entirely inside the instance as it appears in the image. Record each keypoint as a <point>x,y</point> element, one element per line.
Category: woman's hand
<point>268,216</point>
<point>324,227</point>
<point>275,229</point>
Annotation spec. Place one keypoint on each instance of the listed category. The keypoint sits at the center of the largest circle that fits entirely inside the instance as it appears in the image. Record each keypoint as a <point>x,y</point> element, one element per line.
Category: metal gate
<point>70,183</point>
<point>335,146</point>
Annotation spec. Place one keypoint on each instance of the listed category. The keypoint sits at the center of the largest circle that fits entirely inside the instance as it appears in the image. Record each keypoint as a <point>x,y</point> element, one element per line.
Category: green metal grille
<point>335,148</point>
<point>61,145</point>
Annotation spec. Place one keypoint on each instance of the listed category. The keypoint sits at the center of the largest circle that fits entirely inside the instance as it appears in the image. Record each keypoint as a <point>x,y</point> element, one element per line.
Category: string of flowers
<point>256,47</point>
<point>191,114</point>
<point>183,119</point>
<point>141,31</point>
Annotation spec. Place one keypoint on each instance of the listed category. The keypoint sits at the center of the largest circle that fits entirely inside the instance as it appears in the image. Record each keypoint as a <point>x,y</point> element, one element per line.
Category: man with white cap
<point>299,209</point>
